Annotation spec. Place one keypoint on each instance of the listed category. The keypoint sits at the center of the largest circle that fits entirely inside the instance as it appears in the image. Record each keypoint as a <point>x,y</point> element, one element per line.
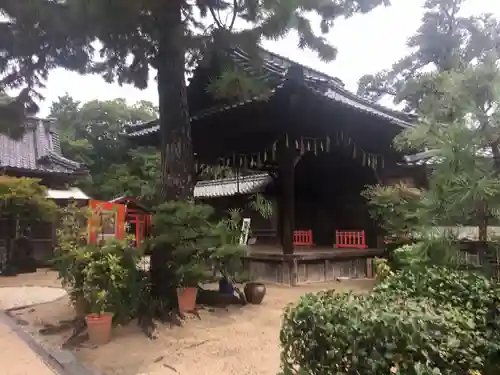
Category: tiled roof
<point>38,150</point>
<point>432,157</point>
<point>232,186</point>
<point>275,70</point>
<point>277,67</point>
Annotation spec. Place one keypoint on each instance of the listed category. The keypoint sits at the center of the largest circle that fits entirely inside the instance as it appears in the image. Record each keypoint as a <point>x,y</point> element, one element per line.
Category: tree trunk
<point>175,129</point>
<point>177,160</point>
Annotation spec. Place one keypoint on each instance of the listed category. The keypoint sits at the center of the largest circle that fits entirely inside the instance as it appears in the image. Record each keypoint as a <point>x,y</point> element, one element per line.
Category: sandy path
<point>236,341</point>
<point>242,341</point>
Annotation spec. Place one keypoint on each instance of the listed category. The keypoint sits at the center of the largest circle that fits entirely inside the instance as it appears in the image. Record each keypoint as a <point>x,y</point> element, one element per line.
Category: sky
<point>366,44</point>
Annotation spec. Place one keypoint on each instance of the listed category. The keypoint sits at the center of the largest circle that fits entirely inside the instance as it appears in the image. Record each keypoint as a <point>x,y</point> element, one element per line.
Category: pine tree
<point>462,133</point>
<point>137,35</point>
<point>461,136</point>
<point>35,37</point>
<point>445,41</point>
<point>451,80</point>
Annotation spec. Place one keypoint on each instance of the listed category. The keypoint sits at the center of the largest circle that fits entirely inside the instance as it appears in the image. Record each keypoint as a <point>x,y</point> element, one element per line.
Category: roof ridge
<point>229,180</point>
<point>55,156</point>
<point>336,80</point>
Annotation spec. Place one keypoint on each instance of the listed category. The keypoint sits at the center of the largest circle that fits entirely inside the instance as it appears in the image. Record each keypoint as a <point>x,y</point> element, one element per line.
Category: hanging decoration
<point>367,159</point>
<point>305,145</point>
<point>253,160</point>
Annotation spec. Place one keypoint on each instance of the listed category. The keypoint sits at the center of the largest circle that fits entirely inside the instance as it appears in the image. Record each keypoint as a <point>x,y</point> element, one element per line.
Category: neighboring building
<point>37,154</point>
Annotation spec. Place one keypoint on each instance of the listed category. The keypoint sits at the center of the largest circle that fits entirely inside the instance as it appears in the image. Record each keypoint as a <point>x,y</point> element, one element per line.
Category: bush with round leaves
<point>459,288</point>
<point>468,292</point>
<point>331,333</point>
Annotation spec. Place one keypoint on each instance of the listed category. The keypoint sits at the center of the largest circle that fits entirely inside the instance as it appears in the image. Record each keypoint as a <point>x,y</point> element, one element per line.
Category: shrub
<point>469,293</point>
<point>191,242</point>
<point>396,208</point>
<point>182,238</point>
<point>432,320</point>
<point>332,333</point>
<point>382,269</point>
<point>188,244</point>
<point>105,278</point>
<point>462,289</point>
<point>112,282</point>
<point>69,254</point>
<point>409,255</point>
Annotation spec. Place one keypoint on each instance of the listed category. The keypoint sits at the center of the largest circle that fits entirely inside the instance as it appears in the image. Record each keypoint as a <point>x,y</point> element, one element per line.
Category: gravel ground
<point>233,341</point>
<point>17,296</point>
<point>16,356</point>
<point>29,289</point>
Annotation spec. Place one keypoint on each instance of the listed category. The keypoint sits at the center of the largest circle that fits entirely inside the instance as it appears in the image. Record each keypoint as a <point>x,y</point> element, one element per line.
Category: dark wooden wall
<point>328,197</point>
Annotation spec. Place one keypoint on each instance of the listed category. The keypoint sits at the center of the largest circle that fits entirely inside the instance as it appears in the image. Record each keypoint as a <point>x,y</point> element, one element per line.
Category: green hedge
<point>459,288</point>
<point>435,322</point>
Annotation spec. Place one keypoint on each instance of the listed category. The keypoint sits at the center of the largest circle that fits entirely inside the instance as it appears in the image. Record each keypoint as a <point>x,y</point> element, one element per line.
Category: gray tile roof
<point>232,186</point>
<point>274,69</point>
<point>433,157</point>
<point>37,150</point>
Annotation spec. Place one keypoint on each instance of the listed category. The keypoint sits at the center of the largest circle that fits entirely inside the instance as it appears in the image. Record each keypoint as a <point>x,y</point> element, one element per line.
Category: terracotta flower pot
<point>186,297</point>
<point>99,328</point>
<point>254,293</point>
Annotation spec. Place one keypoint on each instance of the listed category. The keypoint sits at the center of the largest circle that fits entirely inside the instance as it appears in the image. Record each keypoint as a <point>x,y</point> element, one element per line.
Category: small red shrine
<point>137,218</point>
<point>118,217</point>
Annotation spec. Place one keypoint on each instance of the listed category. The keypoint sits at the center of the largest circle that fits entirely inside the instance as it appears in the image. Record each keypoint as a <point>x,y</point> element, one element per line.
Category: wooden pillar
<point>286,161</point>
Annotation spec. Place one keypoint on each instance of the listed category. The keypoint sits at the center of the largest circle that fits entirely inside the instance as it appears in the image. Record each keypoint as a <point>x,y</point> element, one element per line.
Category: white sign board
<point>245,230</point>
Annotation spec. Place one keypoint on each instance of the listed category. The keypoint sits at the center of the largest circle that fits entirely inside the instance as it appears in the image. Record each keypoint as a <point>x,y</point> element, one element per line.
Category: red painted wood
<point>303,238</point>
<point>97,208</point>
<point>350,239</point>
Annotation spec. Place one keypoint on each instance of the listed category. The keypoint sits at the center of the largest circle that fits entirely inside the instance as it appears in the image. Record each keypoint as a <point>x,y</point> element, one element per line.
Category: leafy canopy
<point>42,35</point>
<point>25,198</point>
<point>462,132</point>
<point>458,103</point>
<point>92,133</point>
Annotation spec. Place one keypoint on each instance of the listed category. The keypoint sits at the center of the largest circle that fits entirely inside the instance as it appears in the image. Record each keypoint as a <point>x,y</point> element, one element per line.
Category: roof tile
<point>275,68</point>
<point>38,150</point>
<point>232,186</point>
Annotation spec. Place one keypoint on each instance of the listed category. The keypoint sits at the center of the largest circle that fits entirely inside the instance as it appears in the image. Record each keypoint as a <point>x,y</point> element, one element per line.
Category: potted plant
<point>182,241</point>
<point>189,275</point>
<point>98,321</point>
<point>96,289</point>
<point>111,287</point>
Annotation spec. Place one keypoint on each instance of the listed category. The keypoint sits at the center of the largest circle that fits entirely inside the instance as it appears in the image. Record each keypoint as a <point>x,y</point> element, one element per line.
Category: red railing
<point>352,240</point>
<point>303,237</point>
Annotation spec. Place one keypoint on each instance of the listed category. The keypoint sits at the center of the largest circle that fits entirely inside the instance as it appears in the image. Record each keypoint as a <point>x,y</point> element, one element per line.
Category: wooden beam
<point>286,161</point>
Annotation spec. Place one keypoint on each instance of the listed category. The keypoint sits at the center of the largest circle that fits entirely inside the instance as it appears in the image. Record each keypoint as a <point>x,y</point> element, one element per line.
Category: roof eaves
<point>433,157</point>
<point>370,108</point>
<point>154,128</point>
<point>256,98</point>
<point>59,159</point>
<point>232,186</point>
<point>334,88</point>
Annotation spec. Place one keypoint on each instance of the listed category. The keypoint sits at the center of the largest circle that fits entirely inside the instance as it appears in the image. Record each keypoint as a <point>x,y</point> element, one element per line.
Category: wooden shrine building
<point>319,143</point>
<point>37,154</point>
